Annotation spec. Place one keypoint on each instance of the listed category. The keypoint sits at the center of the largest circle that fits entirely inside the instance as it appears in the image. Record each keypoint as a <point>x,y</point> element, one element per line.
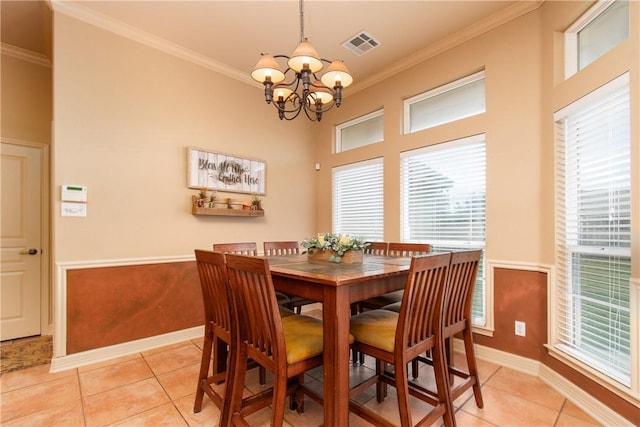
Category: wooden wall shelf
<point>195,210</point>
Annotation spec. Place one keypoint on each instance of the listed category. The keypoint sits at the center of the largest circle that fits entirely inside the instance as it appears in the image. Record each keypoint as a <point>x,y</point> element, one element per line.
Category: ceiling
<point>230,35</point>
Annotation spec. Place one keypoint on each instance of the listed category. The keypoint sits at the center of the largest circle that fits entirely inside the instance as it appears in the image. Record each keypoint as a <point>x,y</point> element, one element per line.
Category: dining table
<point>337,286</point>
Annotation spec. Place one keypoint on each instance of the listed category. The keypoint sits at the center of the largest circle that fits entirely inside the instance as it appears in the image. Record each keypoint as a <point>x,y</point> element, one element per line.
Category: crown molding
<point>89,16</point>
<point>25,55</point>
<point>130,32</point>
<point>500,18</point>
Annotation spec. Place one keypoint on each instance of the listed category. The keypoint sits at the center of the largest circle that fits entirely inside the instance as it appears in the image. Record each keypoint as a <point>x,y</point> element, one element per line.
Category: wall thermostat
<point>74,193</point>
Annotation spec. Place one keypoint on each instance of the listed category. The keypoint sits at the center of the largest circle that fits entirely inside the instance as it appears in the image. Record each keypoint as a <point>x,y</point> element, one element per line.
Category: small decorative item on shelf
<point>256,203</point>
<point>212,199</point>
<point>335,248</point>
<point>202,197</point>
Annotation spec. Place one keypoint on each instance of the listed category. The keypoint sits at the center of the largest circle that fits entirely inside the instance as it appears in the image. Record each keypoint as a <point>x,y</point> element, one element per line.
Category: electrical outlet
<point>521,329</point>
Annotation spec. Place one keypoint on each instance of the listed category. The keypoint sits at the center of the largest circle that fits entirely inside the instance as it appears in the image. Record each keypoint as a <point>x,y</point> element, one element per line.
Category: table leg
<point>336,318</point>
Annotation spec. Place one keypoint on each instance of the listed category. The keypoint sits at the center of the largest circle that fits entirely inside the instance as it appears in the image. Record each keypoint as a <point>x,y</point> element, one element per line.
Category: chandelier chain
<point>301,20</point>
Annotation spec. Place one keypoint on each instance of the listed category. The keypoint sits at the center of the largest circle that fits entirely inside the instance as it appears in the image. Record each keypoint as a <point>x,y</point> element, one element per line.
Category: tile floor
<point>157,388</point>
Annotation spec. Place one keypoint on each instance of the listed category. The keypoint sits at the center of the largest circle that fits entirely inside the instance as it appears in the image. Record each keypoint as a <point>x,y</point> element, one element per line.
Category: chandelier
<point>305,92</point>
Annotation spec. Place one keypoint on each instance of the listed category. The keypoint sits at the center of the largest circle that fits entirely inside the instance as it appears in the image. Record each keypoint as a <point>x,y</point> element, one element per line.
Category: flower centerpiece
<point>335,248</point>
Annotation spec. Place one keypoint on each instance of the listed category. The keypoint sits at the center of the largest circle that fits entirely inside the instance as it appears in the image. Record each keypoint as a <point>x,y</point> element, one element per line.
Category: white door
<point>20,241</point>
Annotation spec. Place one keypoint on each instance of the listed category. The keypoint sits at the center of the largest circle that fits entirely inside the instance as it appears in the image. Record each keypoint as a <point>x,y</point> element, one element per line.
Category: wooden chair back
<point>281,248</point>
<point>459,296</point>
<point>257,314</point>
<point>213,281</point>
<point>421,309</point>
<point>246,248</point>
<point>376,248</point>
<point>408,249</point>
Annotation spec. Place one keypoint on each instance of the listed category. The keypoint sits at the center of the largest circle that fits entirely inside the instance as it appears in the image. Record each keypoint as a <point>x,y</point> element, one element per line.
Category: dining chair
<point>398,338</point>
<point>288,347</point>
<point>376,248</point>
<point>213,282</point>
<point>456,319</point>
<point>395,250</point>
<point>291,247</point>
<point>372,248</point>
<point>251,249</point>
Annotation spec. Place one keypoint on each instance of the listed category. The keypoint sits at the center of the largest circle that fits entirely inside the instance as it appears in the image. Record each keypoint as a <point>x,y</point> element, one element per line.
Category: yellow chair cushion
<point>376,328</point>
<point>302,337</point>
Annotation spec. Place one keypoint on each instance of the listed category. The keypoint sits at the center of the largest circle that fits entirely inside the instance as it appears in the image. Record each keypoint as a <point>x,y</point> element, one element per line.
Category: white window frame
<point>480,75</point>
<point>571,36</point>
<point>339,128</point>
<point>555,347</point>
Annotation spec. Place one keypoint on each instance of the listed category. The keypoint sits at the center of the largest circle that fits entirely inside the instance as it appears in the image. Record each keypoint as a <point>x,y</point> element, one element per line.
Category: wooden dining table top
<point>337,274</point>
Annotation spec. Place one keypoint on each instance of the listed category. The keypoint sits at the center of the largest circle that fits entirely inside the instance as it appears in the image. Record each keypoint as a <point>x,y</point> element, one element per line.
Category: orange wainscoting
<point>113,305</point>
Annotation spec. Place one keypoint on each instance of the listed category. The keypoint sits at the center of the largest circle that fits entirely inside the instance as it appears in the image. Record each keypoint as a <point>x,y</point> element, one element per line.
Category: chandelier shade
<point>267,68</point>
<point>305,91</point>
<point>305,54</point>
<point>337,73</point>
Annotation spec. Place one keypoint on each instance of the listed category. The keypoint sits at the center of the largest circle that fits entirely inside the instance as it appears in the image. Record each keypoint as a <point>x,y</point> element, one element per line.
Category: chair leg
<point>472,366</point>
<point>204,370</point>
<point>381,386</point>
<point>297,403</point>
<point>262,375</point>
<point>414,368</point>
<point>235,378</point>
<point>440,371</point>
<point>279,400</point>
<point>402,388</point>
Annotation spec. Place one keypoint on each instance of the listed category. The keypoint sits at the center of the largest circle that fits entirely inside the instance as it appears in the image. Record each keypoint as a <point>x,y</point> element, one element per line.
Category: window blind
<point>358,200</point>
<point>443,202</point>
<point>593,241</point>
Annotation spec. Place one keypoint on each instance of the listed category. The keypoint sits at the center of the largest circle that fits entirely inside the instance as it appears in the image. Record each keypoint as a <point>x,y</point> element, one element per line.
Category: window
<point>443,202</point>
<point>593,223</point>
<point>359,132</point>
<point>453,101</point>
<point>358,200</point>
<point>598,31</point>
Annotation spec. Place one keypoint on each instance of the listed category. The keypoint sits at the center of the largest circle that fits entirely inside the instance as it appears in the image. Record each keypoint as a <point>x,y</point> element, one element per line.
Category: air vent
<point>361,43</point>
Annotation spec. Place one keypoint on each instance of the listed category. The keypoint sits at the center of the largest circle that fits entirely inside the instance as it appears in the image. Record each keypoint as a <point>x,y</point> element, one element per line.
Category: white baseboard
<point>579,397</point>
<point>105,353</point>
